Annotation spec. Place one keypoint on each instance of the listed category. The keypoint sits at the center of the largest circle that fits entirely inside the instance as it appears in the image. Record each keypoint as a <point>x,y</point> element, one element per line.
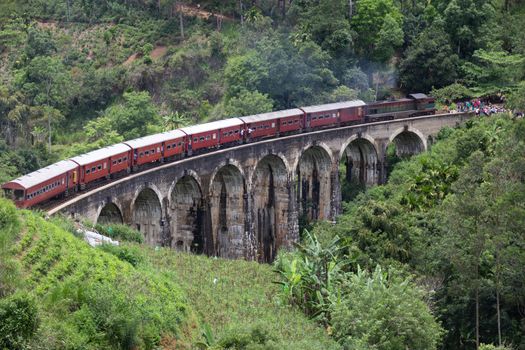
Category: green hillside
<point>59,293</point>
<point>78,297</point>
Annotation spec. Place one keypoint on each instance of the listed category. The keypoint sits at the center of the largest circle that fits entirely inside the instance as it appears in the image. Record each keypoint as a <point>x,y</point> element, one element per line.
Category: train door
<point>308,118</point>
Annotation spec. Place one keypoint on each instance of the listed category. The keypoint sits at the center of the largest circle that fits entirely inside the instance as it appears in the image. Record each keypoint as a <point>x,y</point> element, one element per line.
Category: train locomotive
<point>78,173</point>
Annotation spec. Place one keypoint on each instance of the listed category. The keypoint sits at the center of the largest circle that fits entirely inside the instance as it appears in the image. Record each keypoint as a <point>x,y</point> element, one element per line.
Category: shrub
<point>9,224</point>
<point>124,253</point>
<point>121,232</point>
<point>18,320</point>
<point>383,311</point>
<point>8,216</point>
<point>255,338</point>
<point>493,347</point>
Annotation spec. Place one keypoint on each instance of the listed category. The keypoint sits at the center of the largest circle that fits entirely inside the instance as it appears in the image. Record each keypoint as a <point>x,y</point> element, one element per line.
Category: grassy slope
<point>83,292</point>
<point>87,298</point>
<point>242,297</point>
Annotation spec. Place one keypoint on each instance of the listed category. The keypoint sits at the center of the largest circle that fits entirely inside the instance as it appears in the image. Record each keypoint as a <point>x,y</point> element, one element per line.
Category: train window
<point>152,151</point>
<point>180,144</point>
<point>208,137</point>
<point>225,134</point>
<point>147,153</point>
<point>201,138</point>
<point>284,122</point>
<point>99,167</point>
<point>195,139</point>
<point>141,154</point>
<point>114,162</point>
<point>87,171</point>
<point>169,147</point>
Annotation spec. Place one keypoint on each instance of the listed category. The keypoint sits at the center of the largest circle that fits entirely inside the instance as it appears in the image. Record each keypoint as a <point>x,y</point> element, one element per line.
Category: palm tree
<point>174,121</point>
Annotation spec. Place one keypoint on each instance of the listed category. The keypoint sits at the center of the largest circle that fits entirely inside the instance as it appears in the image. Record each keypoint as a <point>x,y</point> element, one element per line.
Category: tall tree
<point>429,61</point>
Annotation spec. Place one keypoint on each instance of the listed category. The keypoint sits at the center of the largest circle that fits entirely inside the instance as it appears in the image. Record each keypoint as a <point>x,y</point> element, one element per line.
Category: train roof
<point>100,154</point>
<point>154,139</point>
<point>418,96</point>
<point>271,115</point>
<point>333,106</point>
<point>390,101</point>
<point>219,124</point>
<point>41,175</point>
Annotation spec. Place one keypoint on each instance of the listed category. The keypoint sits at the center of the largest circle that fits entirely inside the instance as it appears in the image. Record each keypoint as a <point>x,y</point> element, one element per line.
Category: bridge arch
<point>270,200</point>
<point>321,145</point>
<point>408,141</point>
<point>146,209</point>
<point>227,209</point>
<point>109,213</point>
<point>360,158</point>
<point>313,181</point>
<point>186,208</point>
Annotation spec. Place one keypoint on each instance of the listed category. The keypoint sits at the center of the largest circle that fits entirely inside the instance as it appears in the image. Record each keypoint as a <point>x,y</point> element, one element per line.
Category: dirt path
<point>158,52</point>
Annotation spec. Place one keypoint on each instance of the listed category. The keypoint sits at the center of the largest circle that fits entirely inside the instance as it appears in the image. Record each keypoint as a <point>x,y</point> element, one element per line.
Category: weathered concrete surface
<point>246,201</point>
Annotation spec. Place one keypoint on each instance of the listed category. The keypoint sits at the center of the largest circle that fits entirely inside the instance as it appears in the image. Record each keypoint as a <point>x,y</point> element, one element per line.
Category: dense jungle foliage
<point>80,74</point>
<point>443,237</point>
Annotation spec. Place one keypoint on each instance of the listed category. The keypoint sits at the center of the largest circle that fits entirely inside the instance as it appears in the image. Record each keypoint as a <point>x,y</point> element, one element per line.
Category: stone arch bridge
<point>246,201</point>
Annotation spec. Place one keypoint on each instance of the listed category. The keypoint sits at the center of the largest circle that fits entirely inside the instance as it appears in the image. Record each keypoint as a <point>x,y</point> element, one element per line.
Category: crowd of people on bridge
<point>478,106</point>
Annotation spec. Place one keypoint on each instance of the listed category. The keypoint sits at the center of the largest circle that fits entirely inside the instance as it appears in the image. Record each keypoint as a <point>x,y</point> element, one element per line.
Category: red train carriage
<point>333,114</point>
<point>272,123</point>
<point>103,162</point>
<point>211,135</point>
<point>43,184</point>
<point>146,149</point>
<point>156,147</point>
<point>174,143</point>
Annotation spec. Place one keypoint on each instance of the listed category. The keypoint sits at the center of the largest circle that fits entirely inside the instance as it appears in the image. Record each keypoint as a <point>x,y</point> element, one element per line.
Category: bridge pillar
<point>292,233</point>
<point>382,145</point>
<point>335,196</point>
<point>165,227</point>
<point>249,237</point>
